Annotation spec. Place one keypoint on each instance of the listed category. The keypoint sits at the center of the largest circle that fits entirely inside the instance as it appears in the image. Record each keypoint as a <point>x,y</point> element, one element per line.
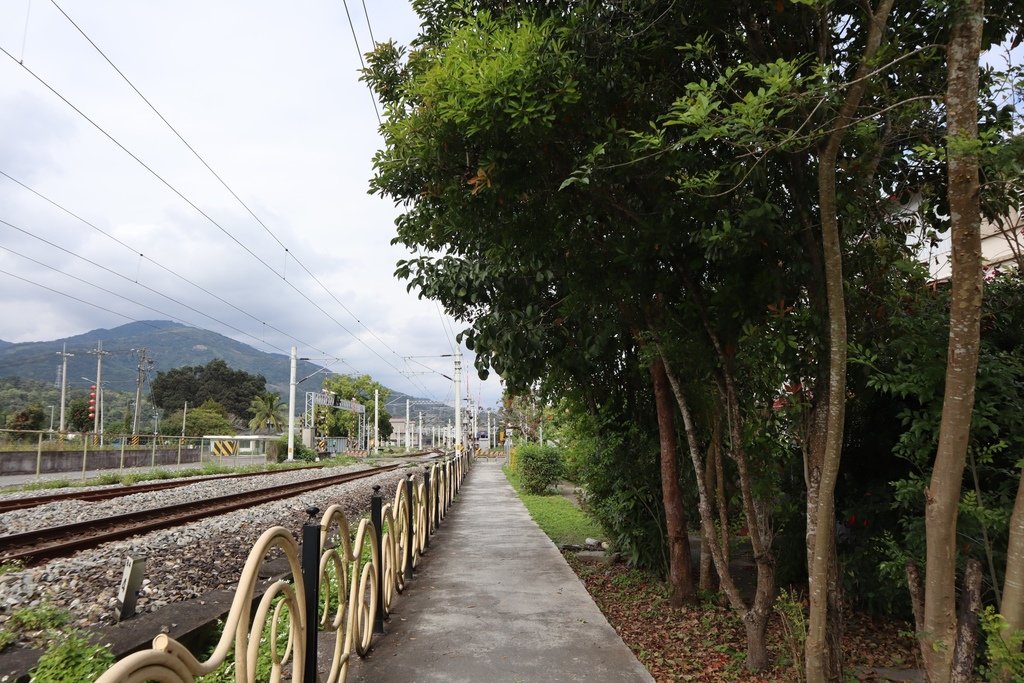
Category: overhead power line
<point>125,277</point>
<point>75,298</point>
<point>359,52</point>
<point>232,192</point>
<point>163,267</point>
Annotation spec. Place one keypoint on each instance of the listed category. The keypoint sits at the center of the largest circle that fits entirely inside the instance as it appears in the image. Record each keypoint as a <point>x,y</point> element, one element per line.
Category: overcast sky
<point>268,94</point>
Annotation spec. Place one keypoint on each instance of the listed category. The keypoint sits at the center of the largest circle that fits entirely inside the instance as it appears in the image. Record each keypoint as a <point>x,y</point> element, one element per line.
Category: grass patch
<point>557,516</point>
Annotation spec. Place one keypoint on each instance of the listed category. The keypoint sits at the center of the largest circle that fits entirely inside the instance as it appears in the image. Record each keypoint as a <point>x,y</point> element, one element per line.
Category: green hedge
<point>539,467</point>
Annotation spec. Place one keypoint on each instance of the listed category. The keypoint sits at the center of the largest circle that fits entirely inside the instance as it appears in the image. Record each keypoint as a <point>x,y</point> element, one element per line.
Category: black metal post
<point>429,517</point>
<point>376,517</point>
<point>311,582</point>
<point>409,535</point>
<point>435,514</point>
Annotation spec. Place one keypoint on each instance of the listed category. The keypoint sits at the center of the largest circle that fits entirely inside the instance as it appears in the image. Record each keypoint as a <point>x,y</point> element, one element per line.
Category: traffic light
<point>92,402</point>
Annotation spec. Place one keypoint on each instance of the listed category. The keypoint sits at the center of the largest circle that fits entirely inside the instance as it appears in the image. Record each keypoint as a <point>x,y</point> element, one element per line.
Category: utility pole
<point>376,421</point>
<point>144,364</point>
<point>291,409</point>
<point>97,425</point>
<point>458,402</point>
<point>476,428</point>
<point>489,444</point>
<point>64,355</point>
<point>420,440</point>
<point>408,427</point>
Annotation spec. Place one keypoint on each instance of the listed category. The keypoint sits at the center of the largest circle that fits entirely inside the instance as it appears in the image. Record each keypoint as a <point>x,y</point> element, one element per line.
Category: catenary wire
<point>220,179</point>
<point>360,53</point>
<point>124,277</point>
<point>159,265</point>
<point>217,175</point>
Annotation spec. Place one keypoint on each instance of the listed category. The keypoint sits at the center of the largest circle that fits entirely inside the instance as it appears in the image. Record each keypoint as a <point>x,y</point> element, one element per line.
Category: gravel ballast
<point>181,563</point>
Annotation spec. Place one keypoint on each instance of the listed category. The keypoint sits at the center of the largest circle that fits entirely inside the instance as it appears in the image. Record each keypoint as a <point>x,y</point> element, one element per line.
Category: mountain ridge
<point>169,345</point>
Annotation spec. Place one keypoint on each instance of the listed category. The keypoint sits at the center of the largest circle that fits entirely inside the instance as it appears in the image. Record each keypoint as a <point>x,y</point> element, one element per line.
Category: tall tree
<point>267,413</point>
<point>215,381</point>
<point>947,643</point>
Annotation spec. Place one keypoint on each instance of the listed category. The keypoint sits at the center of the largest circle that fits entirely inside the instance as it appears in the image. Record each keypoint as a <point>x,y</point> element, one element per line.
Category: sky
<point>267,93</point>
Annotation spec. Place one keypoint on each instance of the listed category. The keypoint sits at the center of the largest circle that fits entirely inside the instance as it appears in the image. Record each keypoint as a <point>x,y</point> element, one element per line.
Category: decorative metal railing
<point>341,582</point>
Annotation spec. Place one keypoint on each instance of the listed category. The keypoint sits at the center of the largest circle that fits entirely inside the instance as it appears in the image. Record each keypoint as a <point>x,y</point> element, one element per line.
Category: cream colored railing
<point>357,578</point>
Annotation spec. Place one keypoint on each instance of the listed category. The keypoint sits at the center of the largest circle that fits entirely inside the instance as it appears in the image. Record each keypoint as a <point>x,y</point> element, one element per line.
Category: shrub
<point>301,452</point>
<point>72,658</point>
<point>539,467</point>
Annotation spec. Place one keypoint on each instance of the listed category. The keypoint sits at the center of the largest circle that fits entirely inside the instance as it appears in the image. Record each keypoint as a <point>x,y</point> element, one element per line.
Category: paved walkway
<point>493,601</point>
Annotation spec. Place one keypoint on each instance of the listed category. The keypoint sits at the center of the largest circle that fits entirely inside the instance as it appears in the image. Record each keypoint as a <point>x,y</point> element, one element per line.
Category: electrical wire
<point>215,223</point>
<point>360,53</point>
<point>161,266</point>
<point>125,277</point>
<point>75,298</point>
<point>142,163</point>
<point>222,181</point>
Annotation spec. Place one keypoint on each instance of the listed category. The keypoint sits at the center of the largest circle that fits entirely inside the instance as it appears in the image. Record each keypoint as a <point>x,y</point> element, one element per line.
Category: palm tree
<point>267,413</point>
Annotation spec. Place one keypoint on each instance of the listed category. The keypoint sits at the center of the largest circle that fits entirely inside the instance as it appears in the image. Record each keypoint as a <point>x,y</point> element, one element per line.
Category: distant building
<point>1002,247</point>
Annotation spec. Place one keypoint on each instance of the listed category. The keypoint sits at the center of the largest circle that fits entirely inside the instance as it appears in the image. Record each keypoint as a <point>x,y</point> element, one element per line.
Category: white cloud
<point>268,94</point>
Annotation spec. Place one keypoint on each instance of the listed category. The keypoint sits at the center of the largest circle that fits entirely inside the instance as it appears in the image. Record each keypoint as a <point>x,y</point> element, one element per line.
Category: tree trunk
<point>755,617</point>
<point>708,578</point>
<point>680,570</point>
<point>942,496</point>
<point>967,625</point>
<point>824,663</point>
<point>1012,607</point>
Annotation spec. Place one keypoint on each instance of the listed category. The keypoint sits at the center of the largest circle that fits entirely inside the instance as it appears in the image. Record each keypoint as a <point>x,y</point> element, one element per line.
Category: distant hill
<point>169,345</point>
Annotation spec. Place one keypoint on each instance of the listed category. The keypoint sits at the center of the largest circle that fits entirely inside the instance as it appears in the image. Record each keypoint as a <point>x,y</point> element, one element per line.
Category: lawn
<point>558,516</point>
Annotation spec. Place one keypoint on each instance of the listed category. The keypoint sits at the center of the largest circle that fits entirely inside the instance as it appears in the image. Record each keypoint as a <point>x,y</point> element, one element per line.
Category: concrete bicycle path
<point>493,601</point>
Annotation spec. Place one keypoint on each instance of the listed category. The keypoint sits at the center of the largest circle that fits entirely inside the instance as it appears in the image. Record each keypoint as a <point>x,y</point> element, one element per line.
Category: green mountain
<point>168,345</point>
<point>32,369</point>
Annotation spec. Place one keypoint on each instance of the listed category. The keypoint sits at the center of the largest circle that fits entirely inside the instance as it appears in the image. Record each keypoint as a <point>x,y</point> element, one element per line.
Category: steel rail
<point>92,494</point>
<point>33,547</point>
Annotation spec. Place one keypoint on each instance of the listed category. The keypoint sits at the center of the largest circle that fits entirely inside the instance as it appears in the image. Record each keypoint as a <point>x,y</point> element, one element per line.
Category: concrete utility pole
<point>291,408</point>
<point>143,366</point>
<point>489,444</point>
<point>64,355</point>
<point>448,434</point>
<point>420,439</point>
<point>376,421</point>
<point>97,425</point>
<point>408,427</point>
<point>475,422</point>
<point>458,402</point>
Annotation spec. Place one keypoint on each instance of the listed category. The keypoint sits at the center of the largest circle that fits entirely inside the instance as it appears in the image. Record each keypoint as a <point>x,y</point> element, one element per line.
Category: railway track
<point>35,547</point>
<point>93,494</point>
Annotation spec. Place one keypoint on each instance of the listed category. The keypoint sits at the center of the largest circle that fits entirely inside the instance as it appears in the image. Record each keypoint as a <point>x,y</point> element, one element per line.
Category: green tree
<point>268,413</point>
<point>233,389</point>
<point>29,419</point>
<point>78,416</point>
<point>208,418</point>
<point>360,390</point>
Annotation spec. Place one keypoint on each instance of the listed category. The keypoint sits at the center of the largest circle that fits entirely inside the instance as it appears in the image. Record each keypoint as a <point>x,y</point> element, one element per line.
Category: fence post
<point>428,517</point>
<point>311,583</point>
<point>39,455</point>
<point>377,518</point>
<point>85,452</point>
<point>410,536</point>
